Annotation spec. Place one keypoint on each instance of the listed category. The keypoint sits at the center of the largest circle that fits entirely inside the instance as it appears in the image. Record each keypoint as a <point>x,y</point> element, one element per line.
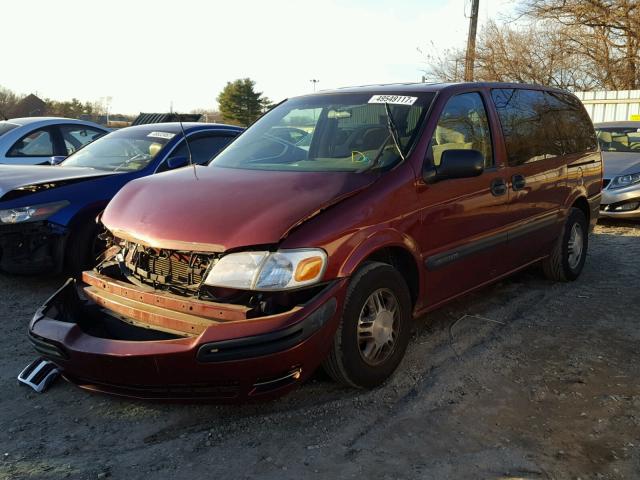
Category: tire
<point>562,265</point>
<point>82,248</point>
<point>347,362</point>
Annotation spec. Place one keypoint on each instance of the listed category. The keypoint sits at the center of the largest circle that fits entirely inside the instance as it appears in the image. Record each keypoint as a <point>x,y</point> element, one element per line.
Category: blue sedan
<point>47,214</point>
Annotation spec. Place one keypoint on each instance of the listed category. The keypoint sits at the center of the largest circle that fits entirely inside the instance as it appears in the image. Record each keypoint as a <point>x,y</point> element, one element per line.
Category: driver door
<point>463,221</point>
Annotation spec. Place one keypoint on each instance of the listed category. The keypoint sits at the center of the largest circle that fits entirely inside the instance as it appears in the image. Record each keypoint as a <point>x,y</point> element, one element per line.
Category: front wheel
<point>569,253</point>
<point>374,330</point>
<point>84,247</point>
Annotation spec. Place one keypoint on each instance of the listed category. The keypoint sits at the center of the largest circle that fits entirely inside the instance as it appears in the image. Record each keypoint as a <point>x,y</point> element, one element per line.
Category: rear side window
<point>574,125</point>
<point>528,124</point>
<point>6,126</point>
<point>77,136</point>
<point>38,143</point>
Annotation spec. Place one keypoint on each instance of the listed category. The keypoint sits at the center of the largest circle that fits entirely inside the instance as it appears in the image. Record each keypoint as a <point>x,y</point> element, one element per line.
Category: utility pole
<point>314,81</point>
<point>471,42</point>
<point>108,103</point>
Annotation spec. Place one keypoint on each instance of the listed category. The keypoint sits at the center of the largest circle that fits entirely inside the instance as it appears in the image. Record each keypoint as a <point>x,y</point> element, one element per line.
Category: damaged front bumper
<point>32,247</point>
<point>114,337</point>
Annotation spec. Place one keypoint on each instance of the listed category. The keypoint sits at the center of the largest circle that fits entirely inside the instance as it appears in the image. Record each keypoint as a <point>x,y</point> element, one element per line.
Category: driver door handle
<point>518,182</point>
<point>498,187</point>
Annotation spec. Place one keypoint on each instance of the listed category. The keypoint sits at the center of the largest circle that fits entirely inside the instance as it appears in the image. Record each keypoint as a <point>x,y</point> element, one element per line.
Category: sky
<point>151,55</point>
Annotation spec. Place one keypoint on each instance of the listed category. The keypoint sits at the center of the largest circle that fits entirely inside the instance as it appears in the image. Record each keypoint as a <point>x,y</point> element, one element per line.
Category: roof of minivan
<point>431,87</point>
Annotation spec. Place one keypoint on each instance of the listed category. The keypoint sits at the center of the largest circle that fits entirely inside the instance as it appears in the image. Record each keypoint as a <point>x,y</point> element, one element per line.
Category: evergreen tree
<point>239,103</point>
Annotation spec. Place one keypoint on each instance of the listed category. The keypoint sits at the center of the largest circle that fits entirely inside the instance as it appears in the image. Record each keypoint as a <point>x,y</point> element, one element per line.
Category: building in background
<point>611,106</point>
<point>29,106</point>
<point>145,118</point>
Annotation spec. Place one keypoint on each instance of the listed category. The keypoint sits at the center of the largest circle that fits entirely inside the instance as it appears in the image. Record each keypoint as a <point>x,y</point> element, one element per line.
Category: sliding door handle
<point>498,187</point>
<point>518,182</point>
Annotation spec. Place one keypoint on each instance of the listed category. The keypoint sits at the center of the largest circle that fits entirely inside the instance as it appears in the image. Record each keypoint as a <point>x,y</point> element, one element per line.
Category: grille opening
<point>183,273</point>
<point>180,272</point>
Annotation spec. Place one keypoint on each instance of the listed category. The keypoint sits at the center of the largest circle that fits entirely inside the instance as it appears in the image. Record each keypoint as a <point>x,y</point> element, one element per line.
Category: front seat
<point>605,139</point>
<point>154,148</point>
<point>373,138</point>
<point>447,138</point>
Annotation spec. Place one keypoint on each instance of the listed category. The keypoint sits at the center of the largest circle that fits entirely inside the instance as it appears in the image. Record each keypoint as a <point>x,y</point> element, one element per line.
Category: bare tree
<point>533,53</point>
<point>606,32</point>
<point>8,101</point>
<point>575,44</point>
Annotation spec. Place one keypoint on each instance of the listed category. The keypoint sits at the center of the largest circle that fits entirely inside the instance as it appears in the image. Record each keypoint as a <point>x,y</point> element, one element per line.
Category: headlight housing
<point>622,181</point>
<point>268,271</point>
<point>31,213</point>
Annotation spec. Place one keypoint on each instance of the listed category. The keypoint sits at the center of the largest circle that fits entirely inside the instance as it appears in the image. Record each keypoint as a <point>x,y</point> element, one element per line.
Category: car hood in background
<point>215,209</point>
<point>620,163</point>
<point>13,177</point>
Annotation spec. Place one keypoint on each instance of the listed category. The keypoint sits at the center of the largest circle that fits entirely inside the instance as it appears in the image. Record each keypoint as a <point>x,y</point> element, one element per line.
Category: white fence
<point>609,106</point>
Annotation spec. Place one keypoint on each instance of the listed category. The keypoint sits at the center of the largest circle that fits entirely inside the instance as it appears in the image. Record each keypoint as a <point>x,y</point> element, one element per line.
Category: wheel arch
<point>582,204</point>
<point>390,247</point>
<point>86,213</point>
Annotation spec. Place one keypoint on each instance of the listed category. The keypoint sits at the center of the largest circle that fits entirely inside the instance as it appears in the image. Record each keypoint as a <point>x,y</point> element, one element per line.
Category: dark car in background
<point>277,258</point>
<point>48,214</point>
<point>620,145</point>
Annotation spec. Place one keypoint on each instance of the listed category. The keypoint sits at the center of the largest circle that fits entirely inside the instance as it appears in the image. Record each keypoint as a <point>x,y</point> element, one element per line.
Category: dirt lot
<point>544,385</point>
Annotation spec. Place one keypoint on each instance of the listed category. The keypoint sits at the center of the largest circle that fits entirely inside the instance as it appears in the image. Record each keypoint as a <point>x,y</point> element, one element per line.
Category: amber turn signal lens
<point>308,269</point>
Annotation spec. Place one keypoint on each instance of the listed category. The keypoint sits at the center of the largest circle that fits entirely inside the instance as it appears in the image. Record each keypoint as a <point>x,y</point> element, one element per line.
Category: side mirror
<point>56,159</point>
<point>177,162</point>
<point>456,164</point>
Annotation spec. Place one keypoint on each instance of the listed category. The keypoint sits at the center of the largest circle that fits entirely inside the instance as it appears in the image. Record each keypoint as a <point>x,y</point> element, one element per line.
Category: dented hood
<point>13,177</point>
<point>216,209</point>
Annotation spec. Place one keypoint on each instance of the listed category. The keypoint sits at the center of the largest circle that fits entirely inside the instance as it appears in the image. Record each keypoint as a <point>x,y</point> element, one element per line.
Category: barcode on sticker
<point>394,99</point>
<point>166,135</point>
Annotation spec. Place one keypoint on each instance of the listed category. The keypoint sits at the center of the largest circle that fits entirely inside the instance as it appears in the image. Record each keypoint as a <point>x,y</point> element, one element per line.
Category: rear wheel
<point>570,251</point>
<point>375,328</point>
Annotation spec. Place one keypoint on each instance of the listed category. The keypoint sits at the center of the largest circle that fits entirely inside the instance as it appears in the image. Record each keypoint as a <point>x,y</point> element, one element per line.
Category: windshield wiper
<point>393,130</point>
<point>393,133</point>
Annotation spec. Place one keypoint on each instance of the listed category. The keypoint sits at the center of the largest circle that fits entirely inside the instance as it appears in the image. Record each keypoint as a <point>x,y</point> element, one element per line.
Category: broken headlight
<point>31,213</point>
<point>281,270</point>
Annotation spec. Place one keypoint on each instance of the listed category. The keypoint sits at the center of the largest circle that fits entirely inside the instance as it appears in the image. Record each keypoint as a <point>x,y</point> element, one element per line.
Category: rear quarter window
<point>528,125</point>
<point>6,127</point>
<point>574,124</point>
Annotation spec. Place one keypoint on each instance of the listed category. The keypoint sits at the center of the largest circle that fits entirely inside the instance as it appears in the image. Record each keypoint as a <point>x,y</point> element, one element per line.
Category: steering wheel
<point>284,144</point>
<point>139,156</point>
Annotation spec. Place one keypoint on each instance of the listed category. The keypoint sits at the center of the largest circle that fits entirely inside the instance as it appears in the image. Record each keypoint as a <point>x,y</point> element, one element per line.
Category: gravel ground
<point>540,380</point>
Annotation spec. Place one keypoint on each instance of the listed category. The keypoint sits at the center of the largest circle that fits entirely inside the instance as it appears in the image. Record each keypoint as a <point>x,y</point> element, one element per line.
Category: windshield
<point>122,151</point>
<point>331,132</point>
<point>619,139</point>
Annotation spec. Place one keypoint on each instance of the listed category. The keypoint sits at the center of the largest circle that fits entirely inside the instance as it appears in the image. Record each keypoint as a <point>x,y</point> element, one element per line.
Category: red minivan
<point>319,234</point>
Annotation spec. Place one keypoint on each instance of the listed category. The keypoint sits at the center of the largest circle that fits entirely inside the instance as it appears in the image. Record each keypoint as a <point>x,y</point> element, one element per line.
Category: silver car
<point>44,140</point>
<point>620,144</point>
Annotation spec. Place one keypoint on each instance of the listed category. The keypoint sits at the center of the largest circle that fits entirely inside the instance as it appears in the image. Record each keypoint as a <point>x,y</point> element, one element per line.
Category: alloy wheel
<point>576,245</point>
<point>378,326</point>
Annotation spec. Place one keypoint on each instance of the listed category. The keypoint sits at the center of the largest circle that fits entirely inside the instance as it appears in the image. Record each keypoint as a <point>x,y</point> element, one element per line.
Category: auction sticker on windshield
<point>166,135</point>
<point>394,99</point>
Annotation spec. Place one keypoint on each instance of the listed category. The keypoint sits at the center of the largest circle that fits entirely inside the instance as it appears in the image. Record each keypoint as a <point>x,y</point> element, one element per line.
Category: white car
<point>44,140</point>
